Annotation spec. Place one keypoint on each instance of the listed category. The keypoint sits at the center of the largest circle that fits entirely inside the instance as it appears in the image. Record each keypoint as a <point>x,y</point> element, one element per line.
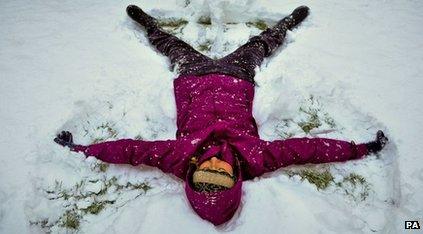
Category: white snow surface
<point>83,66</point>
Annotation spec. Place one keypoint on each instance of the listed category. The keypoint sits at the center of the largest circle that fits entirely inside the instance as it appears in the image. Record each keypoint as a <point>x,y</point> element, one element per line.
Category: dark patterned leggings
<point>240,63</point>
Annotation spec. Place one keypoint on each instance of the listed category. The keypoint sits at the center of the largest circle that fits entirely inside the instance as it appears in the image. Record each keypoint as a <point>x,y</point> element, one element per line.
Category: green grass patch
<point>144,186</point>
<point>259,24</point>
<point>172,23</point>
<point>355,179</point>
<point>283,129</point>
<point>206,46</point>
<point>100,167</point>
<point>96,207</point>
<point>204,20</point>
<point>139,137</point>
<point>355,186</point>
<point>70,219</point>
<point>314,117</point>
<point>173,26</point>
<point>43,224</point>
<point>312,120</point>
<point>321,179</point>
<point>310,116</point>
<point>85,191</point>
<point>111,132</point>
<point>139,186</point>
<point>329,120</point>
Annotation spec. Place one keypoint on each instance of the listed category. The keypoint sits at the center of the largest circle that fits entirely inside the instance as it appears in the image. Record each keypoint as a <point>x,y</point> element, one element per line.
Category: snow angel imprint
<point>217,144</point>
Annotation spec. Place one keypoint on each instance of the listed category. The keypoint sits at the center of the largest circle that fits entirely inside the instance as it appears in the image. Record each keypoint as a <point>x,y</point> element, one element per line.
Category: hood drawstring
<point>194,161</point>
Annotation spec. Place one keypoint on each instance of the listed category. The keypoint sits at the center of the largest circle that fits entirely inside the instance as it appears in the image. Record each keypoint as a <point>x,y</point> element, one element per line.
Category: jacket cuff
<point>361,151</point>
<point>78,148</point>
<point>358,151</point>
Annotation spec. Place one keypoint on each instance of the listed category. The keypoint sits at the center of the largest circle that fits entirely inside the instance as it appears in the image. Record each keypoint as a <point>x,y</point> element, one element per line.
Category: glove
<point>65,139</point>
<point>378,144</point>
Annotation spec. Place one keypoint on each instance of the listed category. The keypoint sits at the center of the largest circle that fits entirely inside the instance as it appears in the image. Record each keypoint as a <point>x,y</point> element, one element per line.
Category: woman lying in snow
<point>217,145</point>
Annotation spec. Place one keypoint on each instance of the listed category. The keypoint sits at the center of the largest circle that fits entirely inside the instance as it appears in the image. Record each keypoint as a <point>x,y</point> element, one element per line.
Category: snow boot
<point>138,15</point>
<point>295,18</point>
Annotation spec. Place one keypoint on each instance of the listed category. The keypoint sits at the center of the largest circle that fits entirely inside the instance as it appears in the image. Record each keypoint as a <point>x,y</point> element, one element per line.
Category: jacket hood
<point>216,207</point>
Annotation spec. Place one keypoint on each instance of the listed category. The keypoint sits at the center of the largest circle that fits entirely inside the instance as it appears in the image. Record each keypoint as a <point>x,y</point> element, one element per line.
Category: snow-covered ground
<point>83,66</point>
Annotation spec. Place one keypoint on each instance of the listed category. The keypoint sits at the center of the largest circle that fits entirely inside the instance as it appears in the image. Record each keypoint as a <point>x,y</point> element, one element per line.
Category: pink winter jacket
<point>214,118</point>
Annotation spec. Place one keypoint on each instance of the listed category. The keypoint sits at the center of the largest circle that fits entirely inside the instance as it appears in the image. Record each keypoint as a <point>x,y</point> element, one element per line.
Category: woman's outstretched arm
<point>281,153</point>
<point>125,151</point>
<point>265,156</point>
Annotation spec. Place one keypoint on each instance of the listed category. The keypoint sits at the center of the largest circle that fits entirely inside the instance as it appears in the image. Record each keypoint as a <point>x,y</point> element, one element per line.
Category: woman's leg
<point>251,54</point>
<point>178,51</point>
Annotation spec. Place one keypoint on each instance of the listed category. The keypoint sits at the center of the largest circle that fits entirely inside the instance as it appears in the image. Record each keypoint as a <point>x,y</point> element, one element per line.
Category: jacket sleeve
<point>282,153</point>
<point>128,151</point>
